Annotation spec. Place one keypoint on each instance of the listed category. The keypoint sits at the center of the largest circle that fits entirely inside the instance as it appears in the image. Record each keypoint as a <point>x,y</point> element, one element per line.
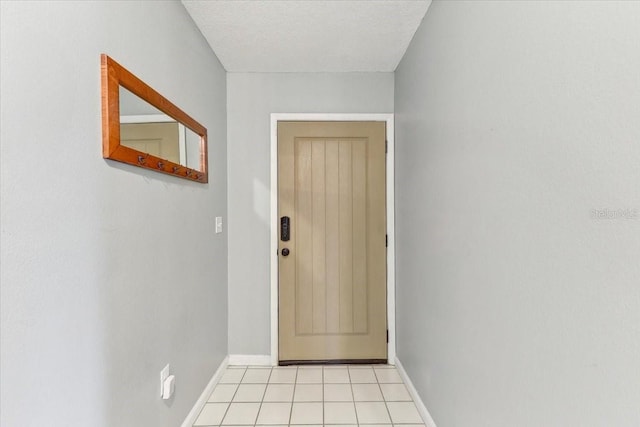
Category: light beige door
<point>332,270</point>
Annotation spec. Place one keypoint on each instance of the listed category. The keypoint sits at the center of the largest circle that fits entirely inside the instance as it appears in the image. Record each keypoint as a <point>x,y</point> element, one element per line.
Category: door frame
<point>274,223</point>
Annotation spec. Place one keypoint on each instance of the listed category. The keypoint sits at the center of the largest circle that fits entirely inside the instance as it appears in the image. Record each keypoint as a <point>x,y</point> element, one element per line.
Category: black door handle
<point>285,252</point>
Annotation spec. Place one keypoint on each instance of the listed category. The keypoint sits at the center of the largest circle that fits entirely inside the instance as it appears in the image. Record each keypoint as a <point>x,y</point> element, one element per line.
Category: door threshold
<point>334,362</point>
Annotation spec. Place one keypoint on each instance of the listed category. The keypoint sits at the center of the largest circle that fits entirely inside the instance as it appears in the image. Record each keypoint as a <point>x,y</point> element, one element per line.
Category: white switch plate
<point>164,374</point>
<point>218,224</point>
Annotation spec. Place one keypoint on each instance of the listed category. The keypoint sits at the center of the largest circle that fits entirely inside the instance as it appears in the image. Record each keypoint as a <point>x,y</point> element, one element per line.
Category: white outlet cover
<point>164,374</point>
<point>169,387</point>
<point>218,224</point>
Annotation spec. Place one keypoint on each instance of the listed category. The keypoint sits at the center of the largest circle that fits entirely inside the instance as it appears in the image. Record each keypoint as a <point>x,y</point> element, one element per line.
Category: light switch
<point>218,224</point>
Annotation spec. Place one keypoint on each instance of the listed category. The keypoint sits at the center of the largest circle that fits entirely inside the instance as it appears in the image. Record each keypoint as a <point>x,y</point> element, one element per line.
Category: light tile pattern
<point>310,396</point>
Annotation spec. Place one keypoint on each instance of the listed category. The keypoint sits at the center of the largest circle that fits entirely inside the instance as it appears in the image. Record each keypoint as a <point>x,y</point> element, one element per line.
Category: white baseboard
<point>424,413</point>
<point>249,360</point>
<point>195,411</point>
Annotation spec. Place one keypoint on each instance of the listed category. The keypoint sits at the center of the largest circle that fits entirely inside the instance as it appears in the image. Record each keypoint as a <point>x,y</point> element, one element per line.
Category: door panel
<point>332,285</point>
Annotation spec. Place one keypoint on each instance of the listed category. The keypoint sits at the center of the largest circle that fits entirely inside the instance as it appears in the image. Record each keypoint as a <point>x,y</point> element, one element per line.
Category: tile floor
<point>311,396</point>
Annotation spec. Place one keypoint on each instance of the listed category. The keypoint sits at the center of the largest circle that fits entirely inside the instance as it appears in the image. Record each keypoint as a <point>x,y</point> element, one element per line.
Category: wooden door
<point>332,283</point>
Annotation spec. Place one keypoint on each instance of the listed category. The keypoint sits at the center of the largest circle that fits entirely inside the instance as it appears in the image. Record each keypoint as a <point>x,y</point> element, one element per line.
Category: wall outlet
<point>169,387</point>
<point>164,374</point>
<point>218,224</point>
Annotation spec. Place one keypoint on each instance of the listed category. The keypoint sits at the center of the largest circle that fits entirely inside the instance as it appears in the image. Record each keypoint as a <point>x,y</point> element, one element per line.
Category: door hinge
<point>386,146</point>
<point>387,336</point>
<point>386,240</point>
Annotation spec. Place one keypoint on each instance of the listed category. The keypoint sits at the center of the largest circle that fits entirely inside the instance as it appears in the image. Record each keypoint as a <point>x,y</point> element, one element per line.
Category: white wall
<point>251,99</point>
<point>516,306</point>
<point>108,271</point>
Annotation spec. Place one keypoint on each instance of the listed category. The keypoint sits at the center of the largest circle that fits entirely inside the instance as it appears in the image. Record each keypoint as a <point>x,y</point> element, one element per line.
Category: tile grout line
<point>263,394</point>
<point>293,396</point>
<point>384,399</point>
<point>322,395</point>
<point>353,397</point>
<point>234,395</point>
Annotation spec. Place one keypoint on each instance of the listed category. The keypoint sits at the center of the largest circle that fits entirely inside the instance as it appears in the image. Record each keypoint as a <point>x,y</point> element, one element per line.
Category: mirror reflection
<point>147,129</point>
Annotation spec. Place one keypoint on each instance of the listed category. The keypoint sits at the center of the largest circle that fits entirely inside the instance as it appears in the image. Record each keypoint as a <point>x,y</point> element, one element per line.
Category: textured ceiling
<point>308,36</point>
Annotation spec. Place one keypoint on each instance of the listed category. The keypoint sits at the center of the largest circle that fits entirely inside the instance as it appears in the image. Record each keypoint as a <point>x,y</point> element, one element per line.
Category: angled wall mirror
<point>142,128</point>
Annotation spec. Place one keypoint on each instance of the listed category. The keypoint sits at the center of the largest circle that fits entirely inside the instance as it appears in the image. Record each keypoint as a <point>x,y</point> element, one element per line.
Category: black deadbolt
<point>285,229</point>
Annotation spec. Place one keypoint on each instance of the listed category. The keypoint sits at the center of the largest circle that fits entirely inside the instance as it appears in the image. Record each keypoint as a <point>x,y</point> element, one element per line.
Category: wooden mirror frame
<point>113,76</point>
